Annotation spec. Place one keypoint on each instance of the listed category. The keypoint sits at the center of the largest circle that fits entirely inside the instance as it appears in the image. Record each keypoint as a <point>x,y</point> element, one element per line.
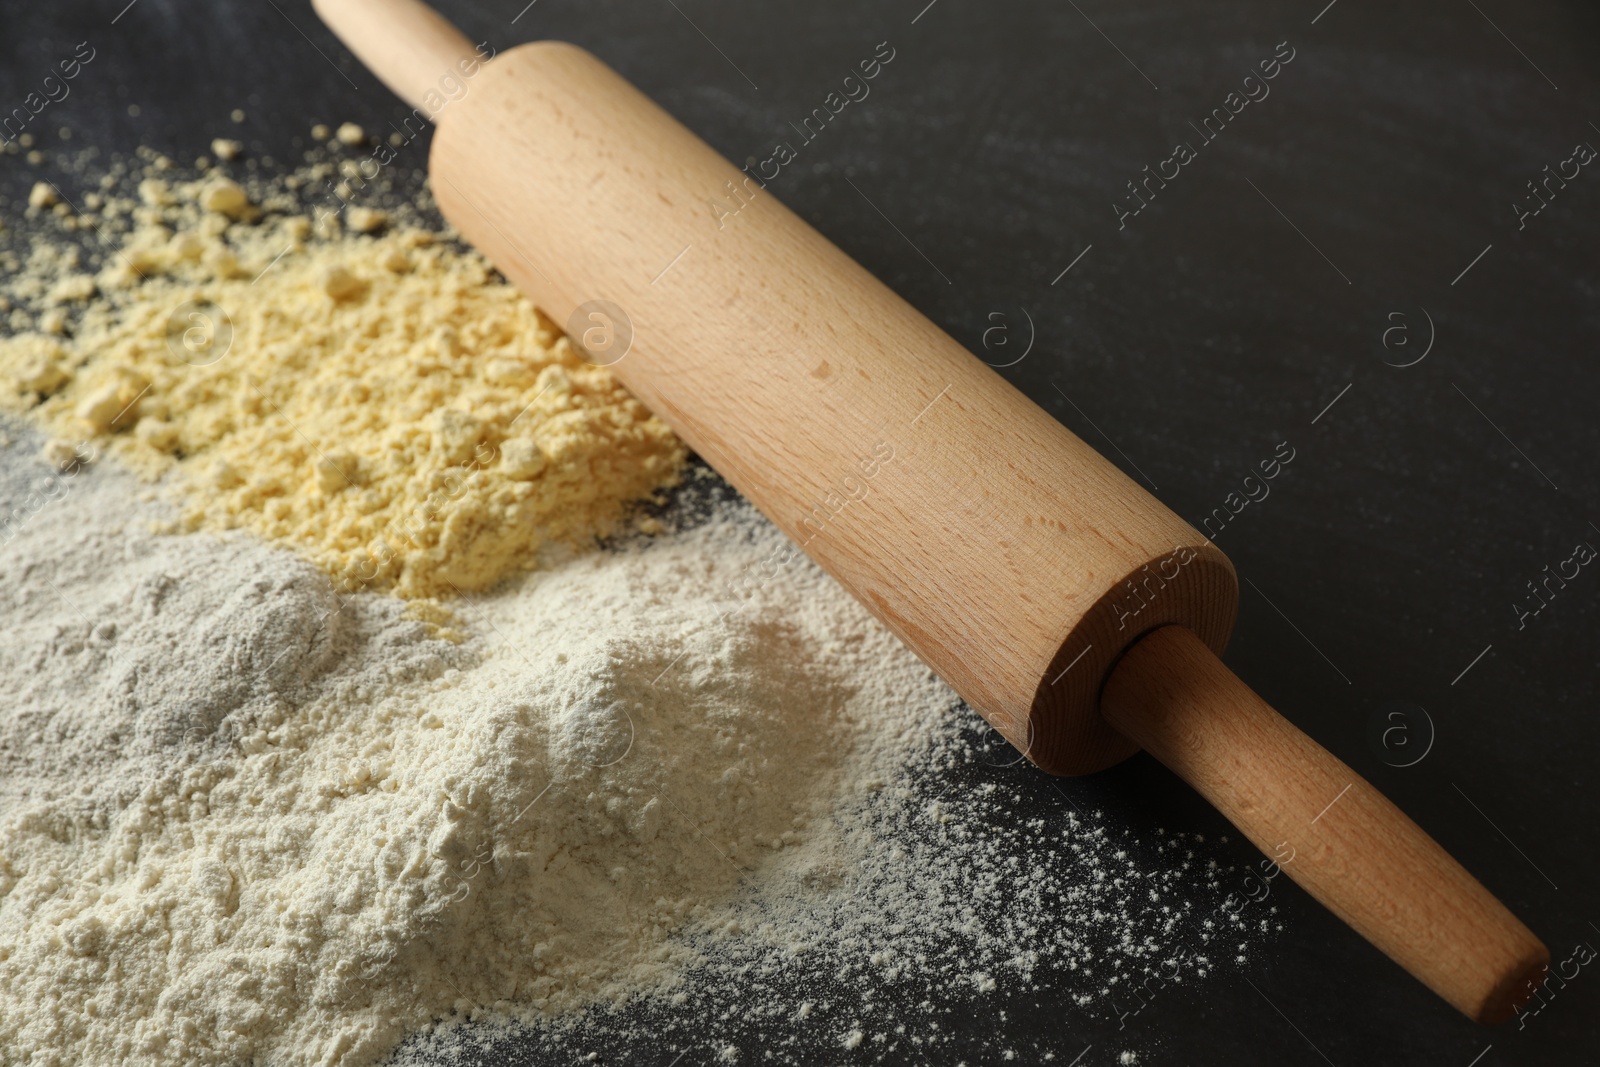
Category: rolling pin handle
<point>1326,827</point>
<point>412,49</point>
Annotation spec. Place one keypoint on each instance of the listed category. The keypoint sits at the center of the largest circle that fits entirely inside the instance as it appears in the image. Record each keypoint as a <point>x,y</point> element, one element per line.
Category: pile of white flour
<point>128,653</point>
<point>242,820</point>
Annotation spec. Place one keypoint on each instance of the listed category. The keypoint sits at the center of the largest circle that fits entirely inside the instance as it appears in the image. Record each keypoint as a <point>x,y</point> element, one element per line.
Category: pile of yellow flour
<point>384,404</point>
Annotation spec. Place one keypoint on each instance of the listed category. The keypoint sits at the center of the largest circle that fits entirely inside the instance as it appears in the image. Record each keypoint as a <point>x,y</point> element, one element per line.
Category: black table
<point>1350,262</point>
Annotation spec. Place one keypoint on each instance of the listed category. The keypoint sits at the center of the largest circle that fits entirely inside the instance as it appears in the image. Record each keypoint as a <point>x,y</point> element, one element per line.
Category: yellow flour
<point>387,405</point>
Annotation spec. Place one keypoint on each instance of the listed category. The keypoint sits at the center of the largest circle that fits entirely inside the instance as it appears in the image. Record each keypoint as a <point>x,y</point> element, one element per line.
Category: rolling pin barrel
<point>1019,564</point>
<point>1012,557</point>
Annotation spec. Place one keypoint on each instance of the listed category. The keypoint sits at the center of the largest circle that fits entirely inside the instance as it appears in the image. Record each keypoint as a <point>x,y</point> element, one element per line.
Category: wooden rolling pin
<point>1080,616</point>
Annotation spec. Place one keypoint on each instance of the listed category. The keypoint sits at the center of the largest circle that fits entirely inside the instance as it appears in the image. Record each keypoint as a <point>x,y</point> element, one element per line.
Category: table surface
<point>1353,266</point>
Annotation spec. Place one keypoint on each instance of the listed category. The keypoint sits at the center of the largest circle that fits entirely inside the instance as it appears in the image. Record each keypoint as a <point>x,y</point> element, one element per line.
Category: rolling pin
<point>1075,612</point>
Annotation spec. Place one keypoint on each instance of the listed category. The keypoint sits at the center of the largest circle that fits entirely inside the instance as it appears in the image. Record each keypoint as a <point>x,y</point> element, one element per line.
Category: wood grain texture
<point>1013,558</point>
<point>1352,849</point>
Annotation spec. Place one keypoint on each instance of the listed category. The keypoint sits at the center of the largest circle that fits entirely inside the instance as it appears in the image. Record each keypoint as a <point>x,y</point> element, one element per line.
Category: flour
<point>386,405</point>
<point>335,846</point>
<point>627,781</point>
<point>126,651</point>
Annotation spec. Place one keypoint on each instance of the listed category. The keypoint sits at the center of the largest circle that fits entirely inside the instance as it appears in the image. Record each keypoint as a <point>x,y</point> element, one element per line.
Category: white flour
<point>241,822</point>
<point>126,651</point>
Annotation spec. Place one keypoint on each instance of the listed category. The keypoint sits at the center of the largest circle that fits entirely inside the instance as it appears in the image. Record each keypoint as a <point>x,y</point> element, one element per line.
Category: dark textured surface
<point>1191,342</point>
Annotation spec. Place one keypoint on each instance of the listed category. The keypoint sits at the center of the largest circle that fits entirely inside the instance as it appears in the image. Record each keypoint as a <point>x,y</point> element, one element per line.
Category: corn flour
<point>385,404</point>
